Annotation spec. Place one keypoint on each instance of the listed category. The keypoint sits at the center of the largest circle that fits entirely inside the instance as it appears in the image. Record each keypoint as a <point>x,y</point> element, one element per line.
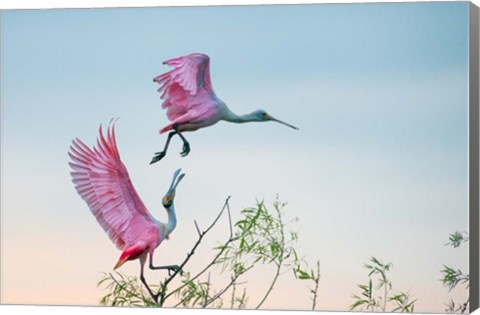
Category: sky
<point>378,167</point>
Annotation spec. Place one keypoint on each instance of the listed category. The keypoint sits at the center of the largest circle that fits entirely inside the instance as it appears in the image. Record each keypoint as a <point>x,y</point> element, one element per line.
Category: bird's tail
<point>166,128</point>
<point>130,253</point>
<point>120,262</point>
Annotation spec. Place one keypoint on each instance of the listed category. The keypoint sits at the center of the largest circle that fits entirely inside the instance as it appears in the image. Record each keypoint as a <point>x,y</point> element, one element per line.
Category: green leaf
<point>363,287</point>
<point>357,303</point>
<point>375,261</point>
<point>302,275</point>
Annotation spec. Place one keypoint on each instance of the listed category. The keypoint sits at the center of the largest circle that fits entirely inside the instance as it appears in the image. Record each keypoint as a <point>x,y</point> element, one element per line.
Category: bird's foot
<point>175,268</point>
<point>186,149</point>
<point>158,156</point>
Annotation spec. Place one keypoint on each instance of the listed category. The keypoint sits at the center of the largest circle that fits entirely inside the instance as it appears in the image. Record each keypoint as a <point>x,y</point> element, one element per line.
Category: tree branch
<point>465,305</point>
<point>162,293</point>
<point>315,291</point>
<point>214,260</point>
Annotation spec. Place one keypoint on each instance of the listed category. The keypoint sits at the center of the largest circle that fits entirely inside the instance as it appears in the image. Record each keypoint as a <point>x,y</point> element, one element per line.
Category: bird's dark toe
<point>178,269</point>
<point>186,149</point>
<point>158,156</point>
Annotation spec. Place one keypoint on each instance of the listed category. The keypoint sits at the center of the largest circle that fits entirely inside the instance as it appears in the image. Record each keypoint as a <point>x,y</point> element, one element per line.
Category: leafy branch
<point>370,302</point>
<point>452,277</point>
<point>313,276</point>
<point>260,237</point>
<point>457,238</point>
<point>263,237</point>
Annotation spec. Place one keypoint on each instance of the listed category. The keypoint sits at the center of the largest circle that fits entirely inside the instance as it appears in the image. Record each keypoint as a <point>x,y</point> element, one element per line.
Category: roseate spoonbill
<point>191,103</point>
<point>102,180</point>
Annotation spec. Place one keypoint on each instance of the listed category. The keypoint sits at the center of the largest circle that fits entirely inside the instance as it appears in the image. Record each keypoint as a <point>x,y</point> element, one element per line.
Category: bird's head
<point>167,200</point>
<point>261,115</point>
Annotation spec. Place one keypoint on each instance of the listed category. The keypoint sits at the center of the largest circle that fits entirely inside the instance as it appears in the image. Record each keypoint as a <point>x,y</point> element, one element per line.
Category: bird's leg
<point>142,278</point>
<point>159,155</point>
<point>186,145</point>
<point>170,268</point>
<point>154,297</point>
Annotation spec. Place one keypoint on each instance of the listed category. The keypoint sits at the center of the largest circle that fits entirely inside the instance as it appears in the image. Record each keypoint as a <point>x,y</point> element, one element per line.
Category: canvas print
<point>280,157</point>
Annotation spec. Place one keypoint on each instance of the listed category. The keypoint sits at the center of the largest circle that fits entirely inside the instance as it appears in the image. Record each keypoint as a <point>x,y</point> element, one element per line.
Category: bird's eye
<point>264,114</point>
<point>167,202</point>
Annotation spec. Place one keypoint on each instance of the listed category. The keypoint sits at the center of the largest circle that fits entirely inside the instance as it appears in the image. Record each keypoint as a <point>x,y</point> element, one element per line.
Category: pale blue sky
<point>379,166</point>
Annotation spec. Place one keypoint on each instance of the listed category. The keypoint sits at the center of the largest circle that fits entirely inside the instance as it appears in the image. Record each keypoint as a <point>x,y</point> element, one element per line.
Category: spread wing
<point>186,84</point>
<point>102,180</point>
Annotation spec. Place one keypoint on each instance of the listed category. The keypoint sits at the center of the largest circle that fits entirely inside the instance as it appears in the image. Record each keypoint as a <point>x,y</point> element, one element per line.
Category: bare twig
<point>198,229</point>
<point>229,219</point>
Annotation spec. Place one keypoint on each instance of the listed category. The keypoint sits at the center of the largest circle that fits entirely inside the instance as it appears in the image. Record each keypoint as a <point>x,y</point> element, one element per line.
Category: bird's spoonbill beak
<point>167,201</point>
<point>269,117</point>
<point>177,177</point>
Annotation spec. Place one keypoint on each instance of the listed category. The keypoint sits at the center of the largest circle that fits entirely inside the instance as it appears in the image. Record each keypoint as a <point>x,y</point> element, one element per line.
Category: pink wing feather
<point>102,180</point>
<point>186,86</point>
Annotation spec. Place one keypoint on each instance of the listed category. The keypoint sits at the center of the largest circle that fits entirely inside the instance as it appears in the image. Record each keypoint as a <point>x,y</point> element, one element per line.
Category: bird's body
<point>102,180</point>
<point>212,112</point>
<point>191,103</point>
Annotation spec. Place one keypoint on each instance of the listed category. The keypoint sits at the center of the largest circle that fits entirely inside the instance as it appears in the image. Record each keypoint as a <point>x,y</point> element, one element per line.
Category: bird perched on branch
<point>191,103</point>
<point>102,180</point>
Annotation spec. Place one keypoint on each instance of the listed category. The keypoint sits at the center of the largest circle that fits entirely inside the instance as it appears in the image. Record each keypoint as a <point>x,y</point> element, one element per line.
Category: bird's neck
<point>232,117</point>
<point>172,220</point>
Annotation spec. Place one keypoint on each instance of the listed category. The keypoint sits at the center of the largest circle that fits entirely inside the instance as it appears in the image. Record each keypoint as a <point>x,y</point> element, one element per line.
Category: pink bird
<point>191,102</point>
<point>102,180</point>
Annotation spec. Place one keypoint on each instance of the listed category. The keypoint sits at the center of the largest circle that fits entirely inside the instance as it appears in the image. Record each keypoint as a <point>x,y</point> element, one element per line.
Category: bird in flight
<point>102,180</point>
<point>191,103</point>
